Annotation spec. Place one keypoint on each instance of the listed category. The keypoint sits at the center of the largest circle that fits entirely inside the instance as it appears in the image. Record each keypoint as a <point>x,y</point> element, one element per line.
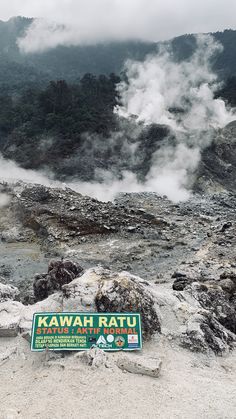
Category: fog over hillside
<point>71,61</point>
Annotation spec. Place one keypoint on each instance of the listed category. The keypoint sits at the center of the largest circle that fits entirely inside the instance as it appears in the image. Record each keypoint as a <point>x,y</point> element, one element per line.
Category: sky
<point>98,20</point>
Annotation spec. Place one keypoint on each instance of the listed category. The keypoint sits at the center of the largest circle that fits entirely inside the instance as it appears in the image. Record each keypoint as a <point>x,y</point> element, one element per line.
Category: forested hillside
<point>71,129</point>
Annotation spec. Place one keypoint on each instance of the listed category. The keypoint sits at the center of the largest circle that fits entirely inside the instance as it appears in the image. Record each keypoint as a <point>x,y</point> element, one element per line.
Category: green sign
<point>81,331</point>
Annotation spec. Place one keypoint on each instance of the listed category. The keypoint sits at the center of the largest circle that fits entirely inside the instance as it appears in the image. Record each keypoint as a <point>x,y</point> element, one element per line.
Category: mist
<point>11,172</point>
<point>159,85</point>
<point>72,22</point>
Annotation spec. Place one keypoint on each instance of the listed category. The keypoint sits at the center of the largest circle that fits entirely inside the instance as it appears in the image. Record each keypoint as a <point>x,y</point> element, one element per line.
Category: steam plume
<point>180,95</point>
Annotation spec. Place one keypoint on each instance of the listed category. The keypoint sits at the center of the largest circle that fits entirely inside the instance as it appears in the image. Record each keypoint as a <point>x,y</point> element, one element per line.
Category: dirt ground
<point>190,386</point>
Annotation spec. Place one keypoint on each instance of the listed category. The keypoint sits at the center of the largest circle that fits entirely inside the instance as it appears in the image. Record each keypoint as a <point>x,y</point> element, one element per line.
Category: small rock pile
<point>60,272</point>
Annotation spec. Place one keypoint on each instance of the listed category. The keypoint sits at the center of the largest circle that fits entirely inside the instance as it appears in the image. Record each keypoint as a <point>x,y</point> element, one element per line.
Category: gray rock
<point>10,315</point>
<point>95,358</point>
<point>227,285</point>
<point>204,334</point>
<point>105,291</point>
<point>218,303</point>
<point>139,365</point>
<point>8,292</point>
<point>124,292</point>
<point>181,283</point>
<point>54,303</point>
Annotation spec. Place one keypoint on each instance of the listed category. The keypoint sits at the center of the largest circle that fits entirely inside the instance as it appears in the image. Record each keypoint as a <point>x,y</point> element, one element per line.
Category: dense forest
<point>60,113</point>
<point>71,129</point>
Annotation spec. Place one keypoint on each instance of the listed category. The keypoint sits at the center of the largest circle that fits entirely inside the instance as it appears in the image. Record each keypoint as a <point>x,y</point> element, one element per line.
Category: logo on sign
<point>119,341</point>
<point>102,343</point>
<point>101,340</point>
<point>132,341</point>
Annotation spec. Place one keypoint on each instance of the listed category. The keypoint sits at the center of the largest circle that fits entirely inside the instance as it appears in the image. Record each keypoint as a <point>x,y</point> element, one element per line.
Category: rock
<point>5,271</point>
<point>139,365</point>
<point>204,333</point>
<point>60,272</point>
<point>124,292</point>
<point>102,290</point>
<point>11,235</point>
<point>10,315</point>
<point>226,226</point>
<point>7,355</point>
<point>181,283</point>
<point>80,294</point>
<point>228,275</point>
<point>217,303</point>
<point>131,228</point>
<point>227,285</point>
<point>54,303</point>
<point>178,275</point>
<point>94,357</point>
<point>217,168</point>
<point>121,293</point>
<point>8,292</point>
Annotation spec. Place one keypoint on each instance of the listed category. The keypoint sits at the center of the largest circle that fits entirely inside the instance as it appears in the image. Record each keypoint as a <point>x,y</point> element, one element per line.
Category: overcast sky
<point>91,20</point>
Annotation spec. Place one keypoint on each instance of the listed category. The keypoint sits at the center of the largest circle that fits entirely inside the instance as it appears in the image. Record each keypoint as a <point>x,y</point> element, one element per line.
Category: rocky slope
<point>217,169</point>
<point>184,254</point>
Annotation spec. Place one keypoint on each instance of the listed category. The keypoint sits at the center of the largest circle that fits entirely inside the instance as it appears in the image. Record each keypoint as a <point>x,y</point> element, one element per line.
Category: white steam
<point>11,172</point>
<point>159,84</point>
<point>180,95</point>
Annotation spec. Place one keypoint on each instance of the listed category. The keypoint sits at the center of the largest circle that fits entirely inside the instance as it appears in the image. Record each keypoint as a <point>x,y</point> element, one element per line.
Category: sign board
<point>81,331</point>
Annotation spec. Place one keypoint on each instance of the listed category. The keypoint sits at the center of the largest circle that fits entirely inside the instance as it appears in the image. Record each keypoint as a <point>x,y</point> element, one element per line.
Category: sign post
<point>81,331</point>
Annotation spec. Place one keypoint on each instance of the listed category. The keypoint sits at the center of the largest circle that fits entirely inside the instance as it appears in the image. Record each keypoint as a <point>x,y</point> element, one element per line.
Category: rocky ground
<point>174,263</point>
<point>142,233</point>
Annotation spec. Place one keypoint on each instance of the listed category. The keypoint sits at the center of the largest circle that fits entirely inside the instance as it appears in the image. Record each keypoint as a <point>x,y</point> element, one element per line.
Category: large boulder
<point>10,316</point>
<point>97,290</point>
<point>126,293</point>
<point>105,291</point>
